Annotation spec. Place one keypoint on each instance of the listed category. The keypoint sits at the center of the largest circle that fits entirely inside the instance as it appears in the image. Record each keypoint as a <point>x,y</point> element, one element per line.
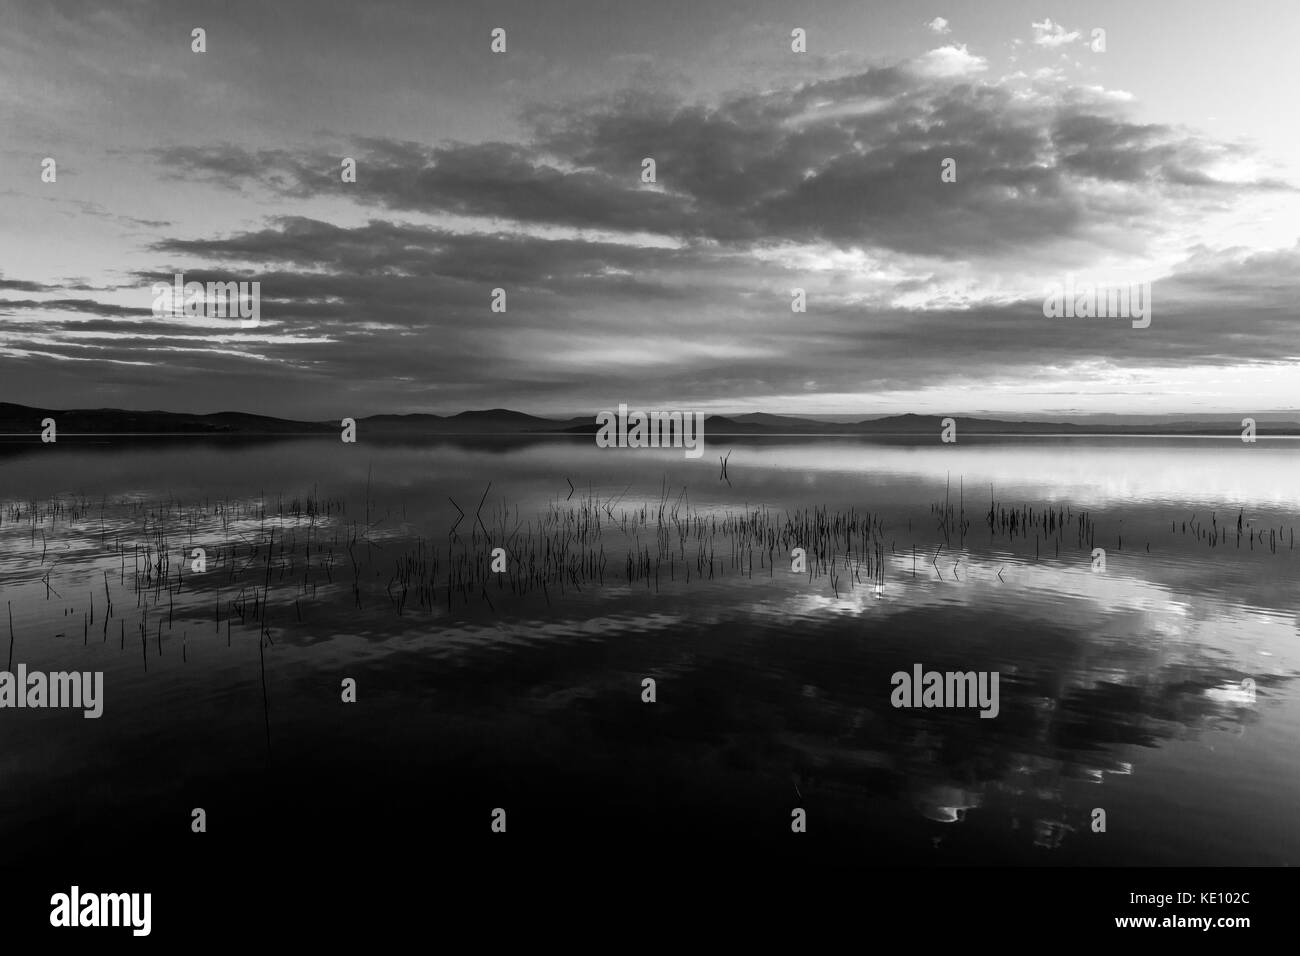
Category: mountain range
<point>26,420</point>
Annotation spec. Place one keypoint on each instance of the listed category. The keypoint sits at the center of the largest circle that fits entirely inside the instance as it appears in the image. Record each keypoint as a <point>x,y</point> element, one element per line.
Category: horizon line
<point>829,418</point>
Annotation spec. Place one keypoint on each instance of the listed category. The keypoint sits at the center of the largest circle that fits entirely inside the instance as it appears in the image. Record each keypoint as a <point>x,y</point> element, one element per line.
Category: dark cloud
<point>436,290</point>
<point>854,161</point>
<point>89,306</point>
<point>18,285</point>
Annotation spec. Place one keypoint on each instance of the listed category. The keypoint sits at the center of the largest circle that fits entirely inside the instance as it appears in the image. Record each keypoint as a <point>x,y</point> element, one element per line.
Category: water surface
<point>1120,689</point>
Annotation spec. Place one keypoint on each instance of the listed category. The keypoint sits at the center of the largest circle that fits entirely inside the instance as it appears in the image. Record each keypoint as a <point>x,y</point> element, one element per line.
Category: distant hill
<point>489,421</point>
<point>23,419</point>
<point>910,424</point>
<point>26,420</point>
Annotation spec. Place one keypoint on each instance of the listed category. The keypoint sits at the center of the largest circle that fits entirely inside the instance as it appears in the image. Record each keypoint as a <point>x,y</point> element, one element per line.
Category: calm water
<point>1120,690</point>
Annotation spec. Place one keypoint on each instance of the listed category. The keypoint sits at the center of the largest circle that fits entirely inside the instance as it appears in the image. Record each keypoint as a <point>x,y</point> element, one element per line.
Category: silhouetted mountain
<point>477,422</point>
<point>789,422</point>
<point>25,420</point>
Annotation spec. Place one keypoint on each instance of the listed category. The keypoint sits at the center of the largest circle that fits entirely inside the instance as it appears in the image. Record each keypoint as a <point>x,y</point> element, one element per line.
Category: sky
<point>1169,155</point>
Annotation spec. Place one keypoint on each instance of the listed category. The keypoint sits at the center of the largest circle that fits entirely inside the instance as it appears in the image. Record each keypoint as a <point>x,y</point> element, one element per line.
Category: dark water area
<point>1161,689</point>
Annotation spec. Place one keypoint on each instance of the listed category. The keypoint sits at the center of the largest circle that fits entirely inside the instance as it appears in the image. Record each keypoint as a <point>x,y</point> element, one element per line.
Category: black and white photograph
<point>474,453</point>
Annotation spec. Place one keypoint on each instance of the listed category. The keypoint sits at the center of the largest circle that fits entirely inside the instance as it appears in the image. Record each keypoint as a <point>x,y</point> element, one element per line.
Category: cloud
<point>853,161</point>
<point>1051,35</point>
<point>87,208</point>
<point>681,289</point>
<point>417,306</point>
<point>91,306</point>
<point>938,25</point>
<point>18,285</point>
<point>949,61</point>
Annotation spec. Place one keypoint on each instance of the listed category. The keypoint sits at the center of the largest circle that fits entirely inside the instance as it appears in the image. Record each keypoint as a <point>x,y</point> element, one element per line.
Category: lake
<point>1154,682</point>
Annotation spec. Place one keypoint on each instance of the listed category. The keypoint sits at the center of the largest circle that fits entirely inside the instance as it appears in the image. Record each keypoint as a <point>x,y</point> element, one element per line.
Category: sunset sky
<point>1173,156</point>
